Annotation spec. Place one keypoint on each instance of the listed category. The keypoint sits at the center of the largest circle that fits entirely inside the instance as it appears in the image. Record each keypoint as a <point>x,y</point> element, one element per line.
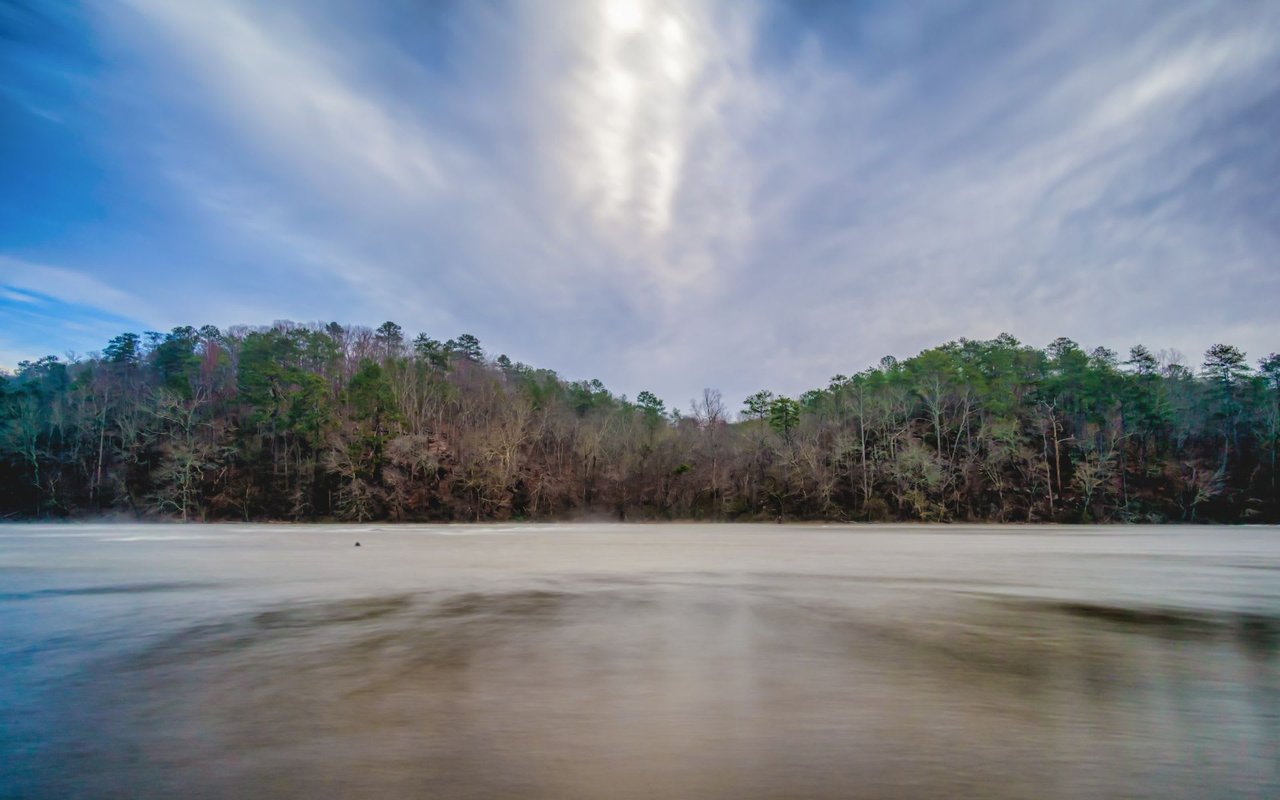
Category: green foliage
<point>390,337</point>
<point>585,396</point>
<point>124,349</point>
<point>466,347</point>
<point>653,408</point>
<point>369,392</point>
<point>268,371</point>
<point>431,351</point>
<point>784,416</point>
<point>812,400</point>
<point>757,405</point>
<point>1269,369</point>
<point>44,377</point>
<point>1225,364</point>
<point>1142,361</point>
<point>174,358</point>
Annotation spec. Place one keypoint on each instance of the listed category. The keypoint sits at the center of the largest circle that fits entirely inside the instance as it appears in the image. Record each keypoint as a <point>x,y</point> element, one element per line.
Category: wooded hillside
<point>309,422</point>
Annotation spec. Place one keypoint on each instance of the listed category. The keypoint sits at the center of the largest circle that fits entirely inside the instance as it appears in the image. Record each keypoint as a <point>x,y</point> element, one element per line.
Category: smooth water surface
<point>639,661</point>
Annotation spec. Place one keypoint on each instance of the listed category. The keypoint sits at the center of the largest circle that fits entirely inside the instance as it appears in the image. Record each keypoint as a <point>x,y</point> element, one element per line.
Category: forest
<point>314,422</point>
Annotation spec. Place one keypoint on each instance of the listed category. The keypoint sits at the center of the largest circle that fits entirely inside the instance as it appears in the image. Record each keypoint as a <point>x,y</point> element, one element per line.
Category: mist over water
<point>634,661</point>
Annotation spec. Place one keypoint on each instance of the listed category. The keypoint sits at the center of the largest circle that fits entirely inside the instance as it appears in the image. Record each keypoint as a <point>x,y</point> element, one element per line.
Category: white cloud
<point>633,190</point>
<point>70,286</point>
<point>286,95</point>
<point>20,297</point>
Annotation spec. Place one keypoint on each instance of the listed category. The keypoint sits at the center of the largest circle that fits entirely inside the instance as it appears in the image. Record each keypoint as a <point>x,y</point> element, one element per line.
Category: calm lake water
<point>635,661</point>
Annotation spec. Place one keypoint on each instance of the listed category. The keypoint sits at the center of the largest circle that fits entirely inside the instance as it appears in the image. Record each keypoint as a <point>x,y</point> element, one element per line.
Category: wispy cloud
<point>68,285</point>
<point>54,311</point>
<point>19,297</point>
<point>736,194</point>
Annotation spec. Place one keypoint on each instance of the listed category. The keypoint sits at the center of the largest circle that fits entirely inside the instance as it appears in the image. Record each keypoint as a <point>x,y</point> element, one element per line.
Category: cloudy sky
<point>664,195</point>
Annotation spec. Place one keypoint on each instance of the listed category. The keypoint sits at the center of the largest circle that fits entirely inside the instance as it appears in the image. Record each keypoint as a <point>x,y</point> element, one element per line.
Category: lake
<point>639,661</point>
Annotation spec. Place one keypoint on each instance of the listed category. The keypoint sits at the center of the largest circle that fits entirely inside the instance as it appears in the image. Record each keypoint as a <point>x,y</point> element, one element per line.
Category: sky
<point>734,194</point>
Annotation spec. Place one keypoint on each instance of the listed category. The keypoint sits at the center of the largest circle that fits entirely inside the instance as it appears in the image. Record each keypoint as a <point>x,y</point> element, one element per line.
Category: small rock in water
<point>357,544</point>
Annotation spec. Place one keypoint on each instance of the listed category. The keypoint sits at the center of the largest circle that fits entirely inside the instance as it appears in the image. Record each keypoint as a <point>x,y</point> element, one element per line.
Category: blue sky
<point>664,195</point>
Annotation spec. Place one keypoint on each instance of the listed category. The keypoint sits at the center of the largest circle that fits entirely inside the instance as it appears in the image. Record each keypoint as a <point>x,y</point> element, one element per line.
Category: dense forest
<point>315,422</point>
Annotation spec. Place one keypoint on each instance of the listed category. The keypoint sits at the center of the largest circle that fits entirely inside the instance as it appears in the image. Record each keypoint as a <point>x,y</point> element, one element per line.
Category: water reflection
<point>690,683</point>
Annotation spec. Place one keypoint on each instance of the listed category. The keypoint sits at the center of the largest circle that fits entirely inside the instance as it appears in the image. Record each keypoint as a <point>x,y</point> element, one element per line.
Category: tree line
<point>318,422</point>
